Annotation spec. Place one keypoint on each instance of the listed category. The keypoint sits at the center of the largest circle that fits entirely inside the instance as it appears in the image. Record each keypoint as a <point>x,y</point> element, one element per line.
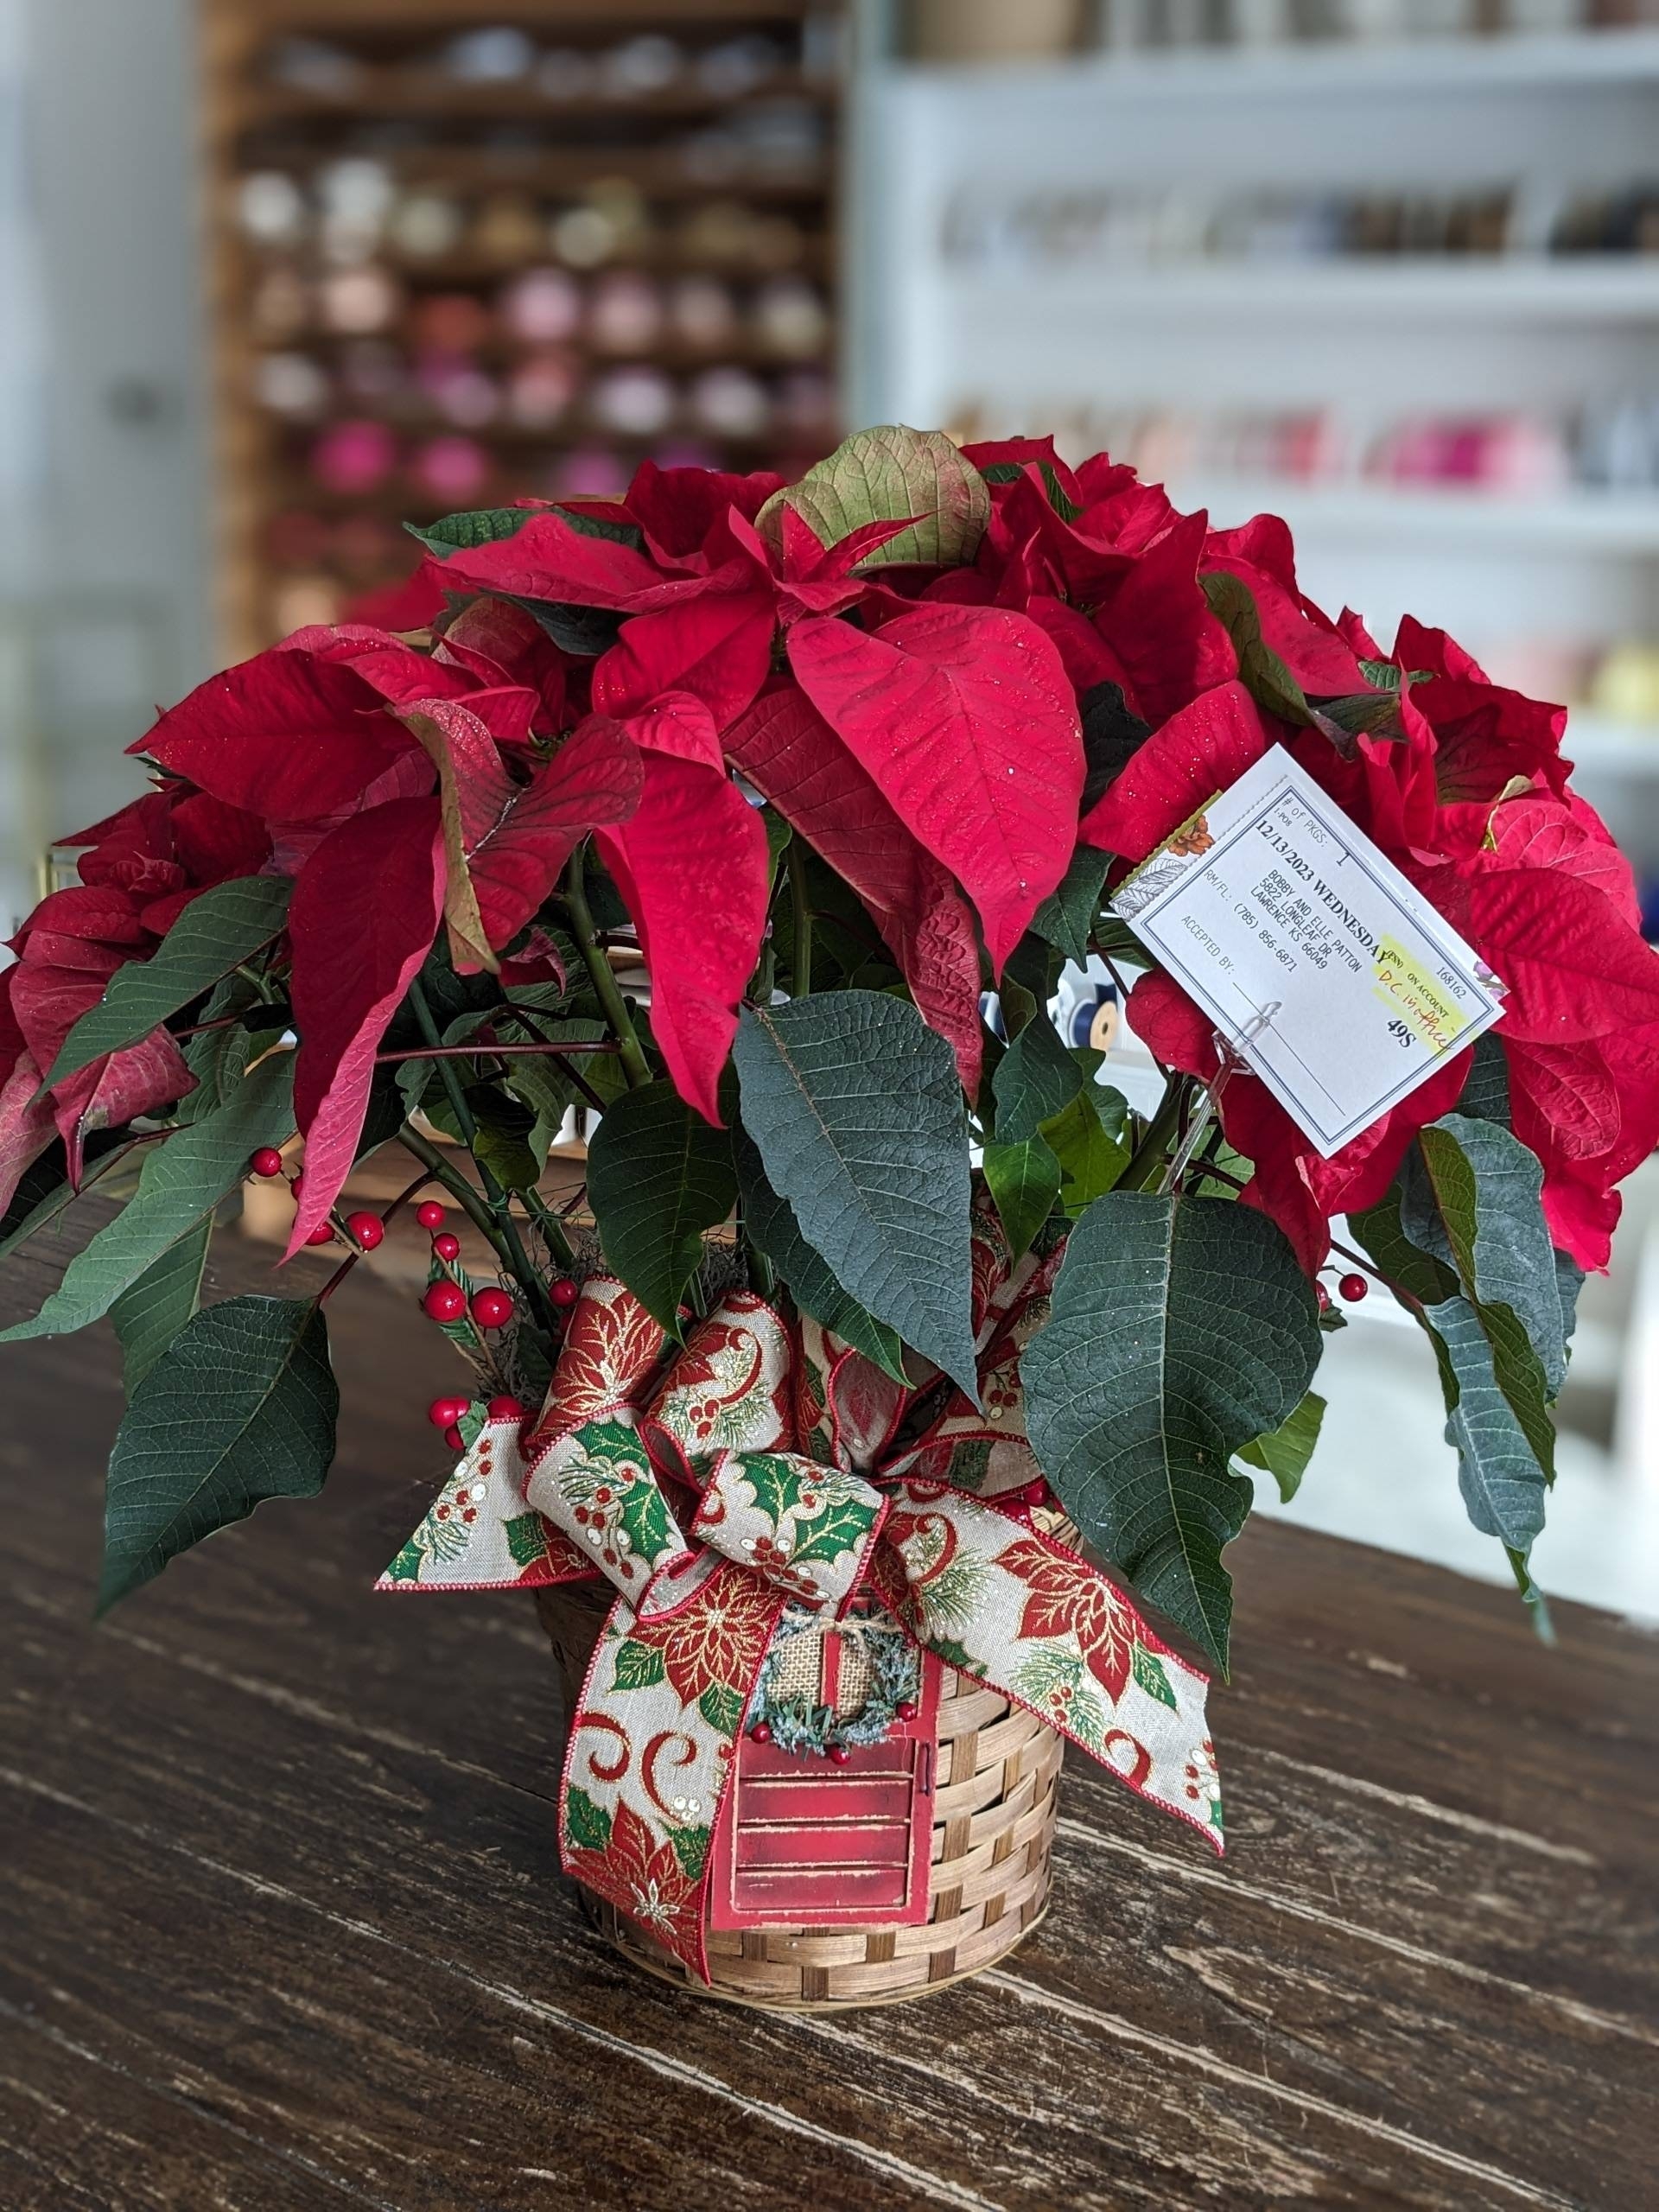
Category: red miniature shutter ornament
<point>803,1841</point>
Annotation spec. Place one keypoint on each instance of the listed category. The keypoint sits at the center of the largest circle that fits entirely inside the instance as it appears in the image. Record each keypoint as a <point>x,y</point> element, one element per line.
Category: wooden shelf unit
<point>678,148</point>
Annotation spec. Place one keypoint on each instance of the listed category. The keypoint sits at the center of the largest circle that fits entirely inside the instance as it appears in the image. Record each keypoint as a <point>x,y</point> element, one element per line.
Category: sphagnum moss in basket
<point>833,1476</point>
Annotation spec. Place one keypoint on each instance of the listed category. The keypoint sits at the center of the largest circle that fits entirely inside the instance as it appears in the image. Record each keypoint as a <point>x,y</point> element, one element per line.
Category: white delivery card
<point>1325,972</point>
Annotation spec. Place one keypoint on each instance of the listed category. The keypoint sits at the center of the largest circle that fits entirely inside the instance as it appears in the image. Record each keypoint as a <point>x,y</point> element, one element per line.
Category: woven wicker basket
<point>995,1811</point>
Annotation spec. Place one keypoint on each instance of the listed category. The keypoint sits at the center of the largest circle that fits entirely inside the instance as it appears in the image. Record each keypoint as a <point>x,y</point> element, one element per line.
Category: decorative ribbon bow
<point>915,1493</point>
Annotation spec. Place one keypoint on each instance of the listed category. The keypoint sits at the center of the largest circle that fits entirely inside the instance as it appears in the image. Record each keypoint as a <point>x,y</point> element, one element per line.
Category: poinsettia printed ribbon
<point>761,1465</point>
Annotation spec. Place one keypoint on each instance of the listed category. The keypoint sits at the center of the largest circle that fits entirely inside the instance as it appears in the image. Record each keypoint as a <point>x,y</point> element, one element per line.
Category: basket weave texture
<point>995,1811</point>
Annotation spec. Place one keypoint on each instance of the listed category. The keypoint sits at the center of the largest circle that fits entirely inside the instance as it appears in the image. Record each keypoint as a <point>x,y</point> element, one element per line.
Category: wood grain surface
<point>283,1927</point>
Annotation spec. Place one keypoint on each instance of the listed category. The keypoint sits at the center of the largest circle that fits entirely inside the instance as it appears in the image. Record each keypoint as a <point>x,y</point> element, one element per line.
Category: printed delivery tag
<point>1326,973</point>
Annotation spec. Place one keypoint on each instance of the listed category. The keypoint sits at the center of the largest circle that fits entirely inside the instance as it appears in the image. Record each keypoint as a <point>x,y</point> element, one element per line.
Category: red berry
<point>839,1754</point>
<point>444,1301</point>
<point>429,1214</point>
<point>1324,1297</point>
<point>1034,1493</point>
<point>562,1290</point>
<point>906,1708</point>
<point>267,1161</point>
<point>367,1229</point>
<point>444,1413</point>
<point>323,1235</point>
<point>761,1732</point>
<point>296,1184</point>
<point>1353,1289</point>
<point>505,1409</point>
<point>454,1440</point>
<point>491,1309</point>
<point>446,1246</point>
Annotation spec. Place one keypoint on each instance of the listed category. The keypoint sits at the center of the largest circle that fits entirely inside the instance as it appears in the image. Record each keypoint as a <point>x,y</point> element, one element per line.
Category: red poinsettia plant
<point>842,767</point>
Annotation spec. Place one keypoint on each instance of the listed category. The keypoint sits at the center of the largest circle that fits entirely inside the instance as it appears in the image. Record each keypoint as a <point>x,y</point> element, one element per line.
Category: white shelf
<point>1618,60</point>
<point>1081,302</point>
<point>1579,522</point>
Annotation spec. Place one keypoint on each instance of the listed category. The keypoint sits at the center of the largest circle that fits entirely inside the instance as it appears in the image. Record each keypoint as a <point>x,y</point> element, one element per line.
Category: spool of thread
<point>624,315</point>
<point>541,389</point>
<point>543,306</point>
<point>701,312</point>
<point>452,323</point>
<point>357,301</point>
<point>452,468</point>
<point>353,456</point>
<point>638,402</point>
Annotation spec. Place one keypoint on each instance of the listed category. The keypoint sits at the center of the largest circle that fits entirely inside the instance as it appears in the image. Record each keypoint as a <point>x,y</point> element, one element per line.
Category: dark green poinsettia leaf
<point>1286,1452</point>
<point>502,1126</point>
<point>1471,1197</point>
<point>1385,675</point>
<point>658,1176</point>
<point>1262,672</point>
<point>1117,942</point>
<point>1067,915</point>
<point>1486,1093</point>
<point>1420,1275</point>
<point>1089,1140</point>
<point>1534,1599</point>
<point>219,1057</point>
<point>1497,1304</point>
<point>1112,735</point>
<point>1035,1080</point>
<point>215,932</point>
<point>241,1407</point>
<point>770,1224</point>
<point>147,1316</point>
<point>1029,980</point>
<point>1504,1438</point>
<point>1024,1181</point>
<point>184,1179</point>
<point>1007,472</point>
<point>1363,714</point>
<point>857,1107</point>
<point>489,526</point>
<point>1181,1329</point>
<point>587,631</point>
<point>778,835</point>
<point>461,533</point>
<point>617,527</point>
<point>44,1193</point>
<point>1569,1281</point>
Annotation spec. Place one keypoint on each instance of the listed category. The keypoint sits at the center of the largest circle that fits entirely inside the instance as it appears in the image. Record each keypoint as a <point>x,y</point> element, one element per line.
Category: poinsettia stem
<point>1147,1163</point>
<point>801,918</point>
<point>552,1228</point>
<point>598,968</point>
<point>1413,1304</point>
<point>481,1052</point>
<point>530,1017</point>
<point>763,1278</point>
<point>440,1170</point>
<point>202,1028</point>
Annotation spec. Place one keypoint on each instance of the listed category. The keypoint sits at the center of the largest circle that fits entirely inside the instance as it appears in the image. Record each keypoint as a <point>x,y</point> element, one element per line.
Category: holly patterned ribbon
<point>759,1466</point>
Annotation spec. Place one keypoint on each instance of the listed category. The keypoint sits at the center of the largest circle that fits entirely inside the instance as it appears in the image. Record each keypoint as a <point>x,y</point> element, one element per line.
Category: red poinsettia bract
<point>642,672</point>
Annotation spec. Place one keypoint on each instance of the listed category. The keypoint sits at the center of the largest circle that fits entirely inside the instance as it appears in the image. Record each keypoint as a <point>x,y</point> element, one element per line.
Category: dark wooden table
<point>282,1927</point>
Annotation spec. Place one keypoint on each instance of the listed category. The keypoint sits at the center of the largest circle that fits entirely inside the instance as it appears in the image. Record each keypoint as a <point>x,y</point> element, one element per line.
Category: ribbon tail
<point>479,1534</point>
<point>999,1601</point>
<point>653,1750</point>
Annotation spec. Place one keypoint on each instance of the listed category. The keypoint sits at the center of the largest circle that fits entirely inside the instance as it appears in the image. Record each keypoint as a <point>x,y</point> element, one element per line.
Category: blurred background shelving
<point>1403,291</point>
<point>458,258</point>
